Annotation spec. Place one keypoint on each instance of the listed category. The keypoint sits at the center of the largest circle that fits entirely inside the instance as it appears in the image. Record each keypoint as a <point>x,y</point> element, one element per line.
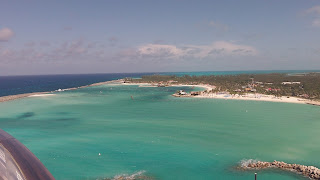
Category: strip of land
<point>18,96</point>
<point>205,86</point>
<point>255,97</point>
<point>225,95</point>
<point>276,87</point>
<point>49,93</point>
<point>209,92</point>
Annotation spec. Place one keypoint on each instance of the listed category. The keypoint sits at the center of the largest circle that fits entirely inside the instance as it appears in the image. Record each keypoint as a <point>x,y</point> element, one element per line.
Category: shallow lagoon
<point>163,136</point>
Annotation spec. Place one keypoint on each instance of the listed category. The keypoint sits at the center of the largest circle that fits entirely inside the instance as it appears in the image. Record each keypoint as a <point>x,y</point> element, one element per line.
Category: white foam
<point>129,177</point>
<point>246,162</point>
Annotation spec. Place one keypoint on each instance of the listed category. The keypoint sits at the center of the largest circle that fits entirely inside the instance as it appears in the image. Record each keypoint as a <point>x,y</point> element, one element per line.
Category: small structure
<point>290,83</point>
<point>162,84</point>
<point>182,92</point>
<point>172,81</point>
<point>304,96</point>
<point>271,89</point>
<point>195,93</point>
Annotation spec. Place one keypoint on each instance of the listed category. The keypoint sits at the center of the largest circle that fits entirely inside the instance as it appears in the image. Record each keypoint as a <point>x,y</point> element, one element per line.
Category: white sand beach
<point>249,96</point>
<point>41,95</point>
<point>255,97</point>
<point>205,86</point>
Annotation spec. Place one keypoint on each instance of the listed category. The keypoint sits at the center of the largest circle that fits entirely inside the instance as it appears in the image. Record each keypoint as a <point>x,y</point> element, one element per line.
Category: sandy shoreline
<point>250,97</point>
<point>259,97</point>
<point>18,96</point>
<point>207,87</point>
<point>47,93</point>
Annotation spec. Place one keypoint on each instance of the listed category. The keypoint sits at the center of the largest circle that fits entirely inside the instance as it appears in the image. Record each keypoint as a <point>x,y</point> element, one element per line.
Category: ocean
<point>11,85</point>
<point>100,132</point>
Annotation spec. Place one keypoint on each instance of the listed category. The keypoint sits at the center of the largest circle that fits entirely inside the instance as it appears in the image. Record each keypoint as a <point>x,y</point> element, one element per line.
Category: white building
<point>284,83</point>
<point>181,92</point>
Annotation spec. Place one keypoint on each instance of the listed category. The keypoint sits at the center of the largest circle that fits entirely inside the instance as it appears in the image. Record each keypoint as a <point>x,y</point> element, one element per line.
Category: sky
<point>116,36</point>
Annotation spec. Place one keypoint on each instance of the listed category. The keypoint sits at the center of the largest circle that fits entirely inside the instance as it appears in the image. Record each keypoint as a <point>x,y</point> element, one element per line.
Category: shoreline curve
<point>34,94</point>
<point>250,97</point>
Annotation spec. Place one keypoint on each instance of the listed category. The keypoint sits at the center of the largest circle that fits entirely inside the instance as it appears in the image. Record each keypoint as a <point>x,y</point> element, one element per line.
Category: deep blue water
<point>11,85</point>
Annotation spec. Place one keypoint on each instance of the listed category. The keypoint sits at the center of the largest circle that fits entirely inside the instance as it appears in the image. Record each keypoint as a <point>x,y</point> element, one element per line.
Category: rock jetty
<point>309,171</point>
<point>136,176</point>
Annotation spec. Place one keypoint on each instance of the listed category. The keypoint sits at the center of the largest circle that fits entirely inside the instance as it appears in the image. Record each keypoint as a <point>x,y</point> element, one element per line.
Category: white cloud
<point>316,23</point>
<point>216,49</point>
<point>218,25</point>
<point>6,53</point>
<point>160,50</point>
<point>313,10</point>
<point>315,13</point>
<point>6,34</point>
<point>64,52</point>
<point>80,52</point>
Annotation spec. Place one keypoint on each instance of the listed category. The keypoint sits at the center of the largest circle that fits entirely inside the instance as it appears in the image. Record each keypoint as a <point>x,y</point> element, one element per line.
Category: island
<point>278,87</point>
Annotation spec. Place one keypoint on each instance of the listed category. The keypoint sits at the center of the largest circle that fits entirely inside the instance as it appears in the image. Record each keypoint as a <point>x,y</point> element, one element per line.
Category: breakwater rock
<point>309,171</point>
<point>136,176</point>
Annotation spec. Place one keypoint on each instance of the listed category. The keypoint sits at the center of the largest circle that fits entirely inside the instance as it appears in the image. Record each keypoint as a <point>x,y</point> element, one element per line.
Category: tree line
<point>309,86</point>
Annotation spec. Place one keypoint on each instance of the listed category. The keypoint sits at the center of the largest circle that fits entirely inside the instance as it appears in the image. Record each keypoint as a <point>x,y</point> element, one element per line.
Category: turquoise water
<point>11,85</point>
<point>162,136</point>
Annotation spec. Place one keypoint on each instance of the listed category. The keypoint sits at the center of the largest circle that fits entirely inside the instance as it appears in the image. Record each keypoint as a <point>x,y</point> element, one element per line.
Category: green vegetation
<point>302,85</point>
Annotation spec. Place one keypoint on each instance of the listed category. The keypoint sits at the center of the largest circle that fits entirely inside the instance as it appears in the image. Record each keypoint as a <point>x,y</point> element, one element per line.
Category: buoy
<point>99,154</point>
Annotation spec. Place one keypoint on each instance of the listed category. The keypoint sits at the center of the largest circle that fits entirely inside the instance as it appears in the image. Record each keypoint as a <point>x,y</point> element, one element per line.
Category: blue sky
<point>60,37</point>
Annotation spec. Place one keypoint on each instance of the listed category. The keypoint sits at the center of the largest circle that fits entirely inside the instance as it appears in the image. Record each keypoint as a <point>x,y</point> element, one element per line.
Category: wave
<point>245,162</point>
<point>135,176</point>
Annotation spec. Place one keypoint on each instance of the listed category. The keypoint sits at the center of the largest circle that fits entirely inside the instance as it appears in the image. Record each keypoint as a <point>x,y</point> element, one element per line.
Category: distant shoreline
<point>260,97</point>
<point>45,93</point>
<point>249,96</point>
